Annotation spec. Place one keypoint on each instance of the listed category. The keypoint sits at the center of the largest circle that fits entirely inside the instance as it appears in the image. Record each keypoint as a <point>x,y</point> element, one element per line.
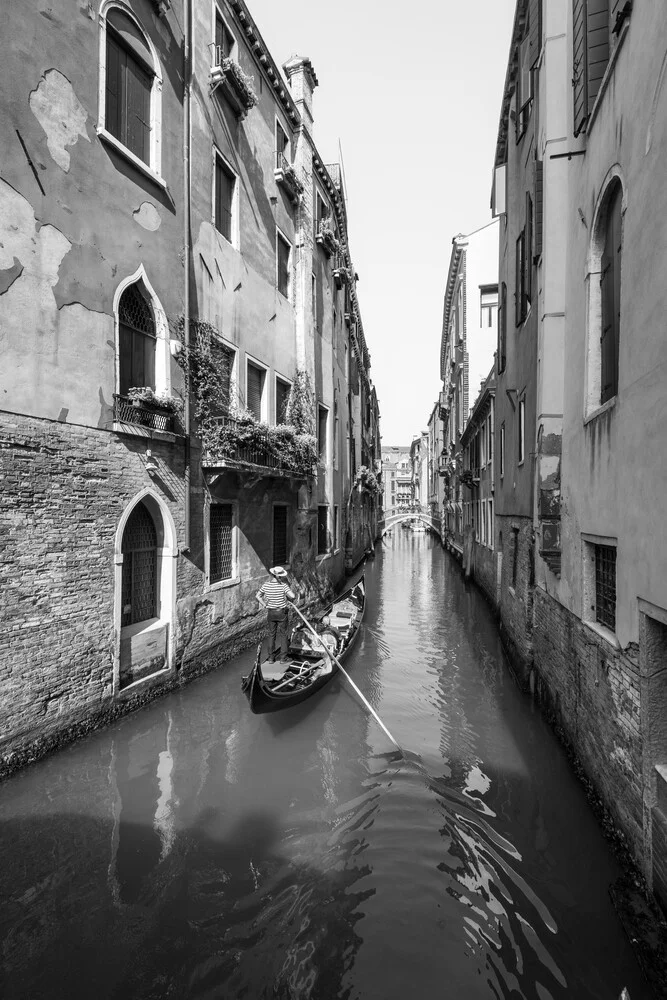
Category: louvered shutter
<point>224,199</point>
<point>616,8</point>
<point>535,31</point>
<point>597,46</point>
<point>255,388</point>
<point>138,102</point>
<point>113,89</point>
<point>539,206</point>
<point>579,71</point>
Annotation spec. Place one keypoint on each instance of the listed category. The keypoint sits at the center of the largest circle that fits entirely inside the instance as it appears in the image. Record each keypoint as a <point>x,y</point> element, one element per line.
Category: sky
<point>414,102</point>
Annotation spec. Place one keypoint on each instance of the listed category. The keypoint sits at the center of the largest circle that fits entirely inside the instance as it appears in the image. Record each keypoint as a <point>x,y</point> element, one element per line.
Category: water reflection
<point>196,850</point>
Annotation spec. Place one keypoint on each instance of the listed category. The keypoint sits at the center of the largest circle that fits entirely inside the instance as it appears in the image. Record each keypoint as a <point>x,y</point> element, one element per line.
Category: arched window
<point>604,297</point>
<point>610,294</point>
<point>140,580</point>
<point>137,339</point>
<point>130,86</point>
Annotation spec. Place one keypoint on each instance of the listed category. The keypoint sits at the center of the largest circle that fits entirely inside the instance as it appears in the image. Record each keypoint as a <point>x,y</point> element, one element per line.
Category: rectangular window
<point>524,88</point>
<point>282,399</point>
<point>515,555</point>
<point>283,264</point>
<point>522,430</point>
<point>221,542</point>
<point>491,526</point>
<point>282,143</point>
<point>502,450</point>
<point>222,358</point>
<point>280,540</point>
<point>225,183</point>
<point>322,530</point>
<point>224,41</point>
<point>128,88</point>
<point>502,329</point>
<point>605,586</point>
<point>336,542</point>
<point>519,279</point>
<point>488,304</point>
<point>255,380</point>
<point>322,423</point>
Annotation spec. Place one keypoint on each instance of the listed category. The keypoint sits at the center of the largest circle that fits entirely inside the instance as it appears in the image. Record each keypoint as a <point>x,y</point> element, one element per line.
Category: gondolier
<point>273,596</point>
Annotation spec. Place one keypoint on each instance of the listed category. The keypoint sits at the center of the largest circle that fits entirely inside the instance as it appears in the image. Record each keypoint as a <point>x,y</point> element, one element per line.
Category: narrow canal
<point>196,850</point>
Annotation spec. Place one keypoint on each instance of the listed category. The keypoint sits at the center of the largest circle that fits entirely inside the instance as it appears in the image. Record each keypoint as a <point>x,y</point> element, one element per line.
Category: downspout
<point>187,72</point>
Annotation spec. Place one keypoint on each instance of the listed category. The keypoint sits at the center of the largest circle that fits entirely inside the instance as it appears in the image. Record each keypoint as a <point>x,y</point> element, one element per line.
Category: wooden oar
<point>349,679</point>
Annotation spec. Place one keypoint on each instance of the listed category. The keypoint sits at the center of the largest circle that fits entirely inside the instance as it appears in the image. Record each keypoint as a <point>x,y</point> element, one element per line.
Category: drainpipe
<point>187,72</point>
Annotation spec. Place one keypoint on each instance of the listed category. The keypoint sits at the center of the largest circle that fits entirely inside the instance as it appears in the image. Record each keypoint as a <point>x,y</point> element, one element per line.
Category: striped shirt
<point>275,594</point>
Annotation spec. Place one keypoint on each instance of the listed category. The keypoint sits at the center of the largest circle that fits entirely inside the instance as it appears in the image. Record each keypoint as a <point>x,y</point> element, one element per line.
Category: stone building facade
<point>481,560</point>
<point>583,593</point>
<point>145,487</point>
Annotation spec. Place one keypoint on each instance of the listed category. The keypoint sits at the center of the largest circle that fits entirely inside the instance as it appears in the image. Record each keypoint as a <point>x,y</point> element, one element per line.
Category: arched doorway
<point>146,556</point>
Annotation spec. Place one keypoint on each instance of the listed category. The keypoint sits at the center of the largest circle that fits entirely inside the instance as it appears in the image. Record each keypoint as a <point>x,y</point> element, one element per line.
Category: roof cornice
<point>510,81</point>
<point>459,243</point>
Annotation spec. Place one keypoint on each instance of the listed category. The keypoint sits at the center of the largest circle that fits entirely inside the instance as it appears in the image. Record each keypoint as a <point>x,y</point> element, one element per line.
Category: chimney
<point>302,80</point>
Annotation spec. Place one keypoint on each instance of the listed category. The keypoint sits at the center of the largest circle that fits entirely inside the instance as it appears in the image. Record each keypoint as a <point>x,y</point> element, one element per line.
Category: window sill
<point>131,157</point>
<point>139,628</point>
<point>599,410</point>
<point>604,633</point>
<point>233,581</point>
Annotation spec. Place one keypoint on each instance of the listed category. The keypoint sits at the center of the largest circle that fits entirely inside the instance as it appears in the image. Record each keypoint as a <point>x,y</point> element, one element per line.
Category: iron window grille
<point>221,542</point>
<point>605,586</point>
<point>139,576</point>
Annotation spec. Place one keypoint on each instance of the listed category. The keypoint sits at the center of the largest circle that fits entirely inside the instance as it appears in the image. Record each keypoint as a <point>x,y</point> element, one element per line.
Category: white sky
<point>413,94</point>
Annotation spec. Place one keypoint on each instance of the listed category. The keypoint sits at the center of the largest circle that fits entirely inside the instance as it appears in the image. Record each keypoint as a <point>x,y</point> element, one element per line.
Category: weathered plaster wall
<point>615,469</point>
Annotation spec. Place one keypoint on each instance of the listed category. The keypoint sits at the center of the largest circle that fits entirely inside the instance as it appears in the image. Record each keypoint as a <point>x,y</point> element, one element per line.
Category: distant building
<point>480,558</point>
<point>419,454</point>
<point>396,477</point>
<point>468,342</point>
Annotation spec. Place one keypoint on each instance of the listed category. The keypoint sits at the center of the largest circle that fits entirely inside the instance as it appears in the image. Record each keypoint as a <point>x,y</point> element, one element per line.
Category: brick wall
<point>484,572</point>
<point>516,590</point>
<point>591,690</point>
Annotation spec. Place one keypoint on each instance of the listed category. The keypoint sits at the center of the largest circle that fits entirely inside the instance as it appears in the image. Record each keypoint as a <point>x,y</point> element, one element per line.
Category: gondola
<point>270,687</point>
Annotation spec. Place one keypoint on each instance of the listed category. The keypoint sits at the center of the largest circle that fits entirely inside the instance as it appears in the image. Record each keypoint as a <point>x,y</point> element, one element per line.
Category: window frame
<point>235,578</point>
<point>286,563</point>
<point>501,457</point>
<point>152,169</point>
<point>286,381</point>
<point>219,157</point>
<point>280,236</point>
<point>323,455</point>
<point>591,543</point>
<point>327,551</point>
<point>521,437</point>
<point>264,406</point>
<point>218,14</point>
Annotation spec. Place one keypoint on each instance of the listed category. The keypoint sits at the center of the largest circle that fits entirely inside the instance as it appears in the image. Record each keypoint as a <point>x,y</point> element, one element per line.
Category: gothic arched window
<point>140,578</point>
<point>138,338</point>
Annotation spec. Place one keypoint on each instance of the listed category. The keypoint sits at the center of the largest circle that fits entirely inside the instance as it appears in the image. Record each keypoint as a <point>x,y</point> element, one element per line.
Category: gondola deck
<point>274,686</point>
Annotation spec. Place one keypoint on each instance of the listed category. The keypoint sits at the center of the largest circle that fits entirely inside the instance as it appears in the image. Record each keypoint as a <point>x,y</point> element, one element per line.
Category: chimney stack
<point>302,80</point>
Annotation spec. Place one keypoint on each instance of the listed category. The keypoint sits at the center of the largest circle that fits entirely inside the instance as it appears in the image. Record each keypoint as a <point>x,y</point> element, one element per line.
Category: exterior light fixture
<point>151,463</point>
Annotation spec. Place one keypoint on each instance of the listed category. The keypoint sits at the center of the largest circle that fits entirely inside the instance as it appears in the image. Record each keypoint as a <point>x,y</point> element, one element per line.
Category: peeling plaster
<point>9,275</point>
<point>147,216</point>
<point>60,113</point>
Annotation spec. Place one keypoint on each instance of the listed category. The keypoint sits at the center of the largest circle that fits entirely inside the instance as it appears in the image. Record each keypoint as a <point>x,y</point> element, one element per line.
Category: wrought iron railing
<point>134,411</point>
<point>261,451</point>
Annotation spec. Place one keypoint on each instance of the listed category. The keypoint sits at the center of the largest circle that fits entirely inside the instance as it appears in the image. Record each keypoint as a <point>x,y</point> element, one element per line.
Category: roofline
<point>459,243</point>
<point>510,79</point>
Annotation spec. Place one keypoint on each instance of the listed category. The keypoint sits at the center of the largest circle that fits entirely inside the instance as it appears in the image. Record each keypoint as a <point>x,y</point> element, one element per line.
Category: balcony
<point>285,175</point>
<point>232,83</point>
<point>325,236</point>
<point>242,444</point>
<point>144,414</point>
<point>340,271</point>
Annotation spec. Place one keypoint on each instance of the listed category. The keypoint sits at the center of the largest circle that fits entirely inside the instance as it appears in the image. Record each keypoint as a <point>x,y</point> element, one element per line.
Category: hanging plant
<point>366,481</point>
<point>160,400</point>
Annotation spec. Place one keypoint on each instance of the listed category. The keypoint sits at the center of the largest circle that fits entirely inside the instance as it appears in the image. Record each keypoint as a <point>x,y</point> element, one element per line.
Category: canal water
<point>196,850</point>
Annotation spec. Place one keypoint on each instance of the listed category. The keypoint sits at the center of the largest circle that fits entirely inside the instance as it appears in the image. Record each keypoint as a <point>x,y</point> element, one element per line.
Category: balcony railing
<point>143,414</point>
<point>227,75</point>
<point>259,453</point>
<point>325,235</point>
<point>340,271</point>
<point>285,175</point>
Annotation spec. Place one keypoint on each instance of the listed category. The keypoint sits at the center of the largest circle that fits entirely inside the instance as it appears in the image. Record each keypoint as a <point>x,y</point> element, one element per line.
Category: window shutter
<point>539,207</point>
<point>502,328</point>
<point>282,399</point>
<point>255,387</point>
<point>518,278</point>
<point>138,96</point>
<point>535,31</point>
<point>610,286</point>
<point>223,361</point>
<point>224,198</point>
<point>597,46</point>
<point>113,87</point>
<point>579,70</point>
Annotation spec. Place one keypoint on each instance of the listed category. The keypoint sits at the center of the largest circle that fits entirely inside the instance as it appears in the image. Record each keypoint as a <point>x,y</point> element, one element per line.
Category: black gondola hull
<point>259,692</point>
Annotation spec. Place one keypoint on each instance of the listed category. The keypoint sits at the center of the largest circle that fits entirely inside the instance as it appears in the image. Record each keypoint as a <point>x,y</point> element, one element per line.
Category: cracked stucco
<point>50,354</point>
<point>60,113</point>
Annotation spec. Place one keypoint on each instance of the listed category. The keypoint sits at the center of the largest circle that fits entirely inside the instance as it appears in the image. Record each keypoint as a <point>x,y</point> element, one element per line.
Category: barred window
<point>139,577</point>
<point>605,586</point>
<point>280,542</point>
<point>221,542</point>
